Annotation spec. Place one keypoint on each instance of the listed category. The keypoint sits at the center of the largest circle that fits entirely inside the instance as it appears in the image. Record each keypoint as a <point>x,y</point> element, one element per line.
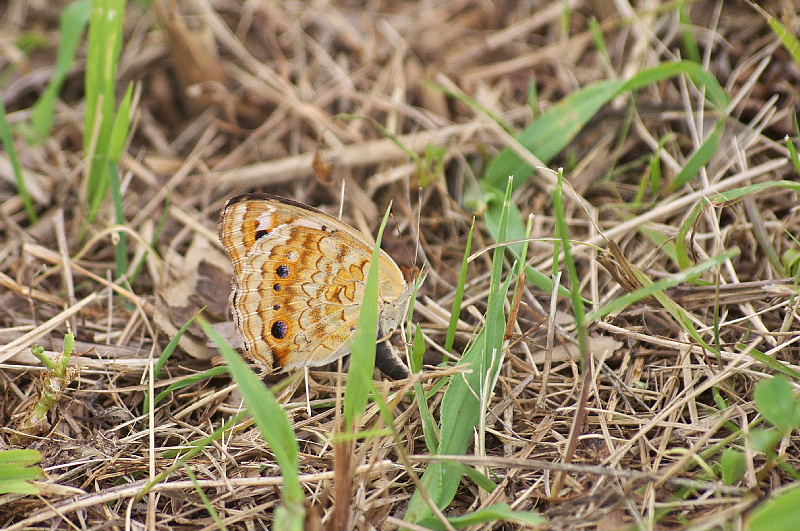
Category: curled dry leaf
<point>199,278</point>
<point>194,53</point>
<point>601,347</point>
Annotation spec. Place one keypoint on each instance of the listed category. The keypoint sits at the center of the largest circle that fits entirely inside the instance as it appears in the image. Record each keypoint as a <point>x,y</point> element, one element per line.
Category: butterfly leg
<point>387,361</point>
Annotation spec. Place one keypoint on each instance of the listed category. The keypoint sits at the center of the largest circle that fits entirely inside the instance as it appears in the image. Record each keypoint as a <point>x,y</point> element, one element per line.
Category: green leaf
<point>776,402</point>
<point>557,127</point>
<point>72,25</point>
<point>362,357</point>
<point>162,360</point>
<point>121,250</point>
<point>458,297</point>
<point>765,441</point>
<point>19,457</point>
<point>120,128</point>
<point>16,471</point>
<point>275,426</point>
<point>430,431</point>
<point>417,350</point>
<point>551,133</point>
<point>791,261</point>
<point>778,513</point>
<point>733,465</point>
<point>500,512</point>
<point>173,344</point>
<point>8,142</point>
<point>480,479</point>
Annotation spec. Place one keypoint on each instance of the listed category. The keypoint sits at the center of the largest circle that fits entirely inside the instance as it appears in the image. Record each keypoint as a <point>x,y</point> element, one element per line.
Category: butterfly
<point>298,282</point>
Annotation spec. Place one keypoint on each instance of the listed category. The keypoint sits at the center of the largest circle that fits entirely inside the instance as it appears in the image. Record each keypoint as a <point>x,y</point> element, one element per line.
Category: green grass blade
<point>430,431</point>
<point>787,38</point>
<point>455,312</point>
<point>185,382</point>
<point>120,128</point>
<point>599,41</point>
<point>701,77</point>
<point>499,512</point>
<point>362,357</point>
<point>690,47</point>
<point>562,233</point>
<point>793,156</point>
<point>204,499</point>
<point>72,24</point>
<point>718,199</point>
<point>533,97</point>
<point>121,250</point>
<point>183,455</point>
<point>699,158</point>
<point>516,226</point>
<point>105,43</point>
<point>8,143</point>
<point>654,288</point>
<point>550,133</point>
<point>675,310</point>
<point>173,344</point>
<point>275,427</point>
<point>19,457</point>
<point>417,339</point>
<point>681,252</point>
<point>460,409</point>
<point>557,127</point>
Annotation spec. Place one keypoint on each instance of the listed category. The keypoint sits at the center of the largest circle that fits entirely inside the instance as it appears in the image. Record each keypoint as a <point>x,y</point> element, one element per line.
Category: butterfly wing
<point>299,278</point>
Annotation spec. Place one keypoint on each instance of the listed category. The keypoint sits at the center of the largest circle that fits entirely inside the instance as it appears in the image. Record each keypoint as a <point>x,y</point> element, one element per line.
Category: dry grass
<point>245,96</point>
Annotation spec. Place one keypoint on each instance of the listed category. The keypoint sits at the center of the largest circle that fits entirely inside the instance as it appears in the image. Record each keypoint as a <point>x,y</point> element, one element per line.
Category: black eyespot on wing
<point>282,271</point>
<point>279,329</point>
<point>277,287</point>
<point>261,233</point>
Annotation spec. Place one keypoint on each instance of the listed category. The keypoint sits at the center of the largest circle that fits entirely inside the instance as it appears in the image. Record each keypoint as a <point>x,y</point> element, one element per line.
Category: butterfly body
<point>299,280</point>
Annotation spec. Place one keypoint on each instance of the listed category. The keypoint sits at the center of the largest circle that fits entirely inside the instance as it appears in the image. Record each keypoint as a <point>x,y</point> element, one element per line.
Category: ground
<point>655,389</point>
